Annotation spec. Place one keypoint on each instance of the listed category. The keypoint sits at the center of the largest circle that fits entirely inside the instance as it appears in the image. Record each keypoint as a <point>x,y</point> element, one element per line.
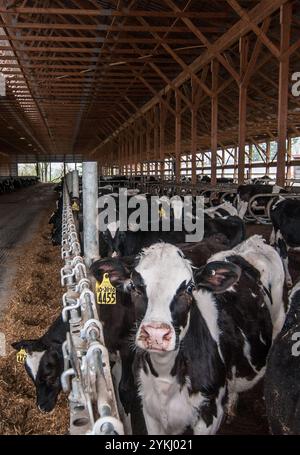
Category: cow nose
<point>156,335</point>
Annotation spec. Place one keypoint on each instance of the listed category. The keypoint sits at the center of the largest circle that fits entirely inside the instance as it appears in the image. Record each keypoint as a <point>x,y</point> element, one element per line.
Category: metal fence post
<point>75,191</point>
<point>69,181</point>
<point>90,212</point>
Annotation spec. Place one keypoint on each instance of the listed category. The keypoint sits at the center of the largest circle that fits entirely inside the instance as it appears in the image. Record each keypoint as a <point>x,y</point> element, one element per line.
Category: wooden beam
<point>177,137</point>
<point>214,121</point>
<point>242,110</point>
<point>285,30</point>
<point>251,68</point>
<point>199,33</point>
<point>194,124</point>
<point>122,12</point>
<point>162,126</point>
<point>259,32</point>
<point>262,10</point>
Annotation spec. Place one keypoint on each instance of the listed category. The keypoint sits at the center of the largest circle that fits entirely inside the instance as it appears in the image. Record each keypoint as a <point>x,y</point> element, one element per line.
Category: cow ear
<point>218,276</point>
<point>29,345</point>
<point>118,270</point>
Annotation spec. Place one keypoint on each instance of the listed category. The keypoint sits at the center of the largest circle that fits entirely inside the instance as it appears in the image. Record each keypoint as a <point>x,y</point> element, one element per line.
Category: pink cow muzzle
<point>155,336</point>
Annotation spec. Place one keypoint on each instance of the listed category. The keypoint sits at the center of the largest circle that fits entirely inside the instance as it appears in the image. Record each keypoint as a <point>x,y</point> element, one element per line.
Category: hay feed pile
<point>35,304</point>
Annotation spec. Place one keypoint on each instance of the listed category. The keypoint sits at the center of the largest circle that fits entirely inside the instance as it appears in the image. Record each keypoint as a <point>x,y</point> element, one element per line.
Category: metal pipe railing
<point>86,375</point>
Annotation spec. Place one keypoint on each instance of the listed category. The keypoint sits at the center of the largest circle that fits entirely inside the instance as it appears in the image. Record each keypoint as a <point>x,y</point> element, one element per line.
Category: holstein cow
<point>130,243</point>
<point>202,335</point>
<point>44,363</point>
<point>282,380</point>
<point>115,242</point>
<point>246,192</point>
<point>56,221</point>
<point>285,217</point>
<point>222,210</point>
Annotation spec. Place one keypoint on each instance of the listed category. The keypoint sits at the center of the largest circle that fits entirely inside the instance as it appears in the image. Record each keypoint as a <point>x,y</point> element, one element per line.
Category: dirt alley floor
<point>34,304</point>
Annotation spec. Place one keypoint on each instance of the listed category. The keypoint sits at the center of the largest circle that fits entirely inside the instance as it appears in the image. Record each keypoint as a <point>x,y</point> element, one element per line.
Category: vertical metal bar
<point>90,196</point>
<point>69,181</point>
<point>75,189</point>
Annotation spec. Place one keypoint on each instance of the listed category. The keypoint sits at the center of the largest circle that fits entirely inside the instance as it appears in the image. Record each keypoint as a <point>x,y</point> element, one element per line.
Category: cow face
<point>113,240</point>
<point>161,286</point>
<point>44,365</point>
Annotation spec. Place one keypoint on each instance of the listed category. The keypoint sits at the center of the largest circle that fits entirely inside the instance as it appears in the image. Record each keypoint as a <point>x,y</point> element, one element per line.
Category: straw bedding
<point>34,305</point>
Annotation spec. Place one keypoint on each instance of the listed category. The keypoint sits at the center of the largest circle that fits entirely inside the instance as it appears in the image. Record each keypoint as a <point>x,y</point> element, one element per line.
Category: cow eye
<point>132,286</point>
<point>190,288</point>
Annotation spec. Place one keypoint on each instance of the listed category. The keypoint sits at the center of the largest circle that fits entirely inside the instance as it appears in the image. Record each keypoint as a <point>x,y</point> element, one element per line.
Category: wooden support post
<point>135,148</point>
<point>131,156</point>
<point>250,160</point>
<point>148,146</point>
<point>268,155</point>
<point>194,112</point>
<point>235,171</point>
<point>285,29</point>
<point>223,162</point>
<point>214,121</point>
<point>289,173</point>
<point>162,126</point>
<point>141,147</point>
<point>156,141</point>
<point>120,150</point>
<point>242,109</point>
<point>177,137</point>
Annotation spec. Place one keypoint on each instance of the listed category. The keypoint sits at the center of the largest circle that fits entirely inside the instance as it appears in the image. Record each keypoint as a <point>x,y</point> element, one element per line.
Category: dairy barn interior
<point>191,109</point>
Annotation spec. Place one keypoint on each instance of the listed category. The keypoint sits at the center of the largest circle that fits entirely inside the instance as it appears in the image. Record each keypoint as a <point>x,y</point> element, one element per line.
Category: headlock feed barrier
<point>87,376</point>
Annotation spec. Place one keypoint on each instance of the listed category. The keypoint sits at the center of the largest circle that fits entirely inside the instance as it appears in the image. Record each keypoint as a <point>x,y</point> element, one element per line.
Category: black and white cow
<point>202,335</point>
<point>44,363</point>
<point>56,221</point>
<point>222,210</point>
<point>285,217</point>
<point>207,179</point>
<point>246,192</point>
<point>282,379</point>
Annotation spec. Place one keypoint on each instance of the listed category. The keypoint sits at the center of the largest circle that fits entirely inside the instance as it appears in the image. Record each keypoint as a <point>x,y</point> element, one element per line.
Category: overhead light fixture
<point>22,138</point>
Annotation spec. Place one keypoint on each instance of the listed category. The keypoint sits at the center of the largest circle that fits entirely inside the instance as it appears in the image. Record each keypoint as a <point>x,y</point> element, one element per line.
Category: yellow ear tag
<point>21,356</point>
<point>75,207</point>
<point>106,292</point>
<point>162,213</point>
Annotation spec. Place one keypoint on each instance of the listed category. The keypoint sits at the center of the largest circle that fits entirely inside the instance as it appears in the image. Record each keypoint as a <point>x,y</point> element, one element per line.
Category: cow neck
<point>163,362</point>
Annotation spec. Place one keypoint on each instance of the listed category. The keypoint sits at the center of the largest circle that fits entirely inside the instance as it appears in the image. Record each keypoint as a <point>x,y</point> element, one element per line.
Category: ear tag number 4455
<point>106,292</point>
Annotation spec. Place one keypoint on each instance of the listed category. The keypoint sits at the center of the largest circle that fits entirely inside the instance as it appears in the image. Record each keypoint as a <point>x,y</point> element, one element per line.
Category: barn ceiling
<point>78,70</point>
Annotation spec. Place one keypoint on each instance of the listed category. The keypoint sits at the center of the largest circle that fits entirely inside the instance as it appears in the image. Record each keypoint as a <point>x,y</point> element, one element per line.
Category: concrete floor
<point>20,215</point>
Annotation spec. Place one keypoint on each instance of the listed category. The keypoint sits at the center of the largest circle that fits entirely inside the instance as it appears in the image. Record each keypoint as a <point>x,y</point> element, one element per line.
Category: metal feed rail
<point>265,217</point>
<point>86,375</point>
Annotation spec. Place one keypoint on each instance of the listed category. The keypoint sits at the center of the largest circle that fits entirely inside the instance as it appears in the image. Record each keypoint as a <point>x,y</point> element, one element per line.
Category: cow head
<point>113,240</point>
<point>161,284</point>
<point>44,365</point>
